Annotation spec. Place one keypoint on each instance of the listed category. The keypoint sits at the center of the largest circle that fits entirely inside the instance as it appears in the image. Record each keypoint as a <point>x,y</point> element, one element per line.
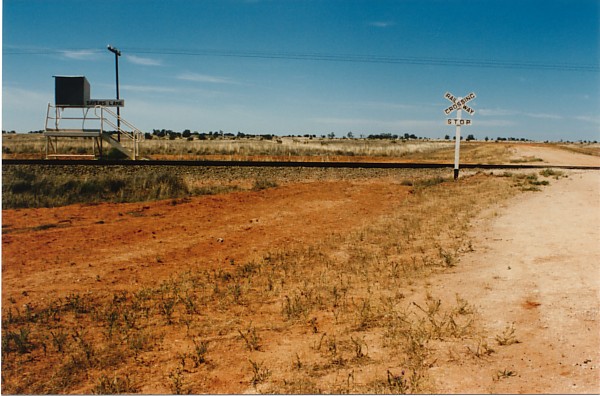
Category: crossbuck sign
<point>458,105</point>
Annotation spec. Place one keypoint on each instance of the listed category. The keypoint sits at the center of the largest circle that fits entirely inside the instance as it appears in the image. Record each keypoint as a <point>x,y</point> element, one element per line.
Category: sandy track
<point>535,264</point>
<point>554,156</point>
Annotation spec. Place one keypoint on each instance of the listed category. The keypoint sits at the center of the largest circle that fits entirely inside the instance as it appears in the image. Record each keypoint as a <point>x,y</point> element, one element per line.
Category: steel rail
<point>286,164</point>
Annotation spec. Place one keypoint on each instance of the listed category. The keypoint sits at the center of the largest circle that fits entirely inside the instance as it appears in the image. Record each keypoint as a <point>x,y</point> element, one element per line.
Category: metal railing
<point>57,117</point>
<point>134,134</point>
<point>102,118</point>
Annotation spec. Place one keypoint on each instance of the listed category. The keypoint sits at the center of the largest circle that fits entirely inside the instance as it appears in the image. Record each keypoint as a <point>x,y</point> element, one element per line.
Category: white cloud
<point>80,54</point>
<point>497,112</point>
<point>544,115</point>
<point>494,123</point>
<point>205,78</point>
<point>148,88</point>
<point>341,120</point>
<point>388,105</point>
<point>24,109</point>
<point>591,119</point>
<point>139,60</point>
<point>18,97</point>
<point>377,123</point>
<point>381,24</point>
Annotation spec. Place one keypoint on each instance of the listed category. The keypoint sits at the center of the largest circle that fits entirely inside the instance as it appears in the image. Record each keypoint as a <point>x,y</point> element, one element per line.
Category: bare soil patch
<point>121,245</point>
<point>534,270</point>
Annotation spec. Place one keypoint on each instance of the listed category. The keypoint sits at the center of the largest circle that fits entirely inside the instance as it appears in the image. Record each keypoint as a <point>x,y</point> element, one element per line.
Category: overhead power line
<point>349,58</point>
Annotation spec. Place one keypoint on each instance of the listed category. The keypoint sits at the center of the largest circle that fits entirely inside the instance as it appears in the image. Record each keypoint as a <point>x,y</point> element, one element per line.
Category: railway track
<point>287,164</point>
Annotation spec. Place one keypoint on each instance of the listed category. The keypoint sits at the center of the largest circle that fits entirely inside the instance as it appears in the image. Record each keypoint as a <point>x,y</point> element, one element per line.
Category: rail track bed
<point>288,164</point>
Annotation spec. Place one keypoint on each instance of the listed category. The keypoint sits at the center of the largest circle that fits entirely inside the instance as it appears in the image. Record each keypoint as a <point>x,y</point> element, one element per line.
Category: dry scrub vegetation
<point>33,146</point>
<point>355,305</point>
<point>258,148</point>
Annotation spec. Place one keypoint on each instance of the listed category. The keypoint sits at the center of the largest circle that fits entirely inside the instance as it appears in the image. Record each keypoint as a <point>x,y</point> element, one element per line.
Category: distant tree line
<point>189,135</point>
<point>406,136</point>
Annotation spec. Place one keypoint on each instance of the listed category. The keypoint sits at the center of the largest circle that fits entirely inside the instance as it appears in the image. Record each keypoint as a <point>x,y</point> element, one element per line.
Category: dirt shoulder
<point>535,265</point>
<point>544,154</point>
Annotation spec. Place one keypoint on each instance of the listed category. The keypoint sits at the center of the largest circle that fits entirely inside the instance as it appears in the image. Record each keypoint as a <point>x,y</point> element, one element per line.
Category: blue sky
<point>313,67</point>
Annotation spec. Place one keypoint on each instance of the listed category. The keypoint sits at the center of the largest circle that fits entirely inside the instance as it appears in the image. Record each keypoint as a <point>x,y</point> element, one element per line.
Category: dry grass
<point>33,146</point>
<point>350,301</point>
<point>582,148</point>
<point>288,147</point>
<point>27,187</point>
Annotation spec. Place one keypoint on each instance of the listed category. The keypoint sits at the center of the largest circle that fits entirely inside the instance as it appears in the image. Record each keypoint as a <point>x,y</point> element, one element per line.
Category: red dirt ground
<point>132,244</point>
<point>50,253</point>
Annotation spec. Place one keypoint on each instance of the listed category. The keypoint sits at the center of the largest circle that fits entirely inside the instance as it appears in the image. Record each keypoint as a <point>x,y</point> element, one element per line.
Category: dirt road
<point>553,156</point>
<point>535,265</point>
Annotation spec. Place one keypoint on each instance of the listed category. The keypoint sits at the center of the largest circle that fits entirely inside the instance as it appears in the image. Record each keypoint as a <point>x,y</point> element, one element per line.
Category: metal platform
<point>100,118</point>
<point>72,132</point>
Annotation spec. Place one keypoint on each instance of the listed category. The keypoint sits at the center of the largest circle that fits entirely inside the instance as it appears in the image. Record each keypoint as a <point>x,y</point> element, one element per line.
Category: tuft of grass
<point>115,385</point>
<point>259,373</point>
<point>176,382</point>
<point>296,306</point>
<point>503,374</point>
<point>19,342</point>
<point>526,160</point>
<point>200,351</point>
<point>252,340</point>
<point>429,182</point>
<point>548,172</point>
<point>263,184</point>
<point>482,350</point>
<point>397,383</point>
<point>508,336</point>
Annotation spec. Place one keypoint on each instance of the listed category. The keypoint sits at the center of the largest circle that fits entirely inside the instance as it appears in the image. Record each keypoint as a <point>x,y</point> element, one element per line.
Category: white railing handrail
<point>47,116</point>
<point>133,134</point>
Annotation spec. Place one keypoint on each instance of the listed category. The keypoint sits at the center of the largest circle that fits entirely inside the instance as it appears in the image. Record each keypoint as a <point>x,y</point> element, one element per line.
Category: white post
<point>457,143</point>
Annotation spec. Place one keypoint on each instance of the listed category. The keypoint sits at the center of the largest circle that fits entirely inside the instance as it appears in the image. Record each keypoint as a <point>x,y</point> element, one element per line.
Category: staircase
<point>131,133</point>
<point>106,123</point>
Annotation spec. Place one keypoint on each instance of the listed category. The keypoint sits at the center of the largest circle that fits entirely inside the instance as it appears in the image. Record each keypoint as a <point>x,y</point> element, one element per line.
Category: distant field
<point>298,149</point>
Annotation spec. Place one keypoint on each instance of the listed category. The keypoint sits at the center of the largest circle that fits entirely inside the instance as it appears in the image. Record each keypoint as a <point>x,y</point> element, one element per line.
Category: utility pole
<point>117,54</point>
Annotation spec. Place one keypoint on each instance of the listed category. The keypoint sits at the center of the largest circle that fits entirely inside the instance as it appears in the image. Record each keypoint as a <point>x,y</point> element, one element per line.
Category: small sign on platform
<point>106,102</point>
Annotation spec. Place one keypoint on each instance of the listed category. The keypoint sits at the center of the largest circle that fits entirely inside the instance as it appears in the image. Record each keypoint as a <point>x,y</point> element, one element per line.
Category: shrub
<point>26,189</point>
<point>263,184</point>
